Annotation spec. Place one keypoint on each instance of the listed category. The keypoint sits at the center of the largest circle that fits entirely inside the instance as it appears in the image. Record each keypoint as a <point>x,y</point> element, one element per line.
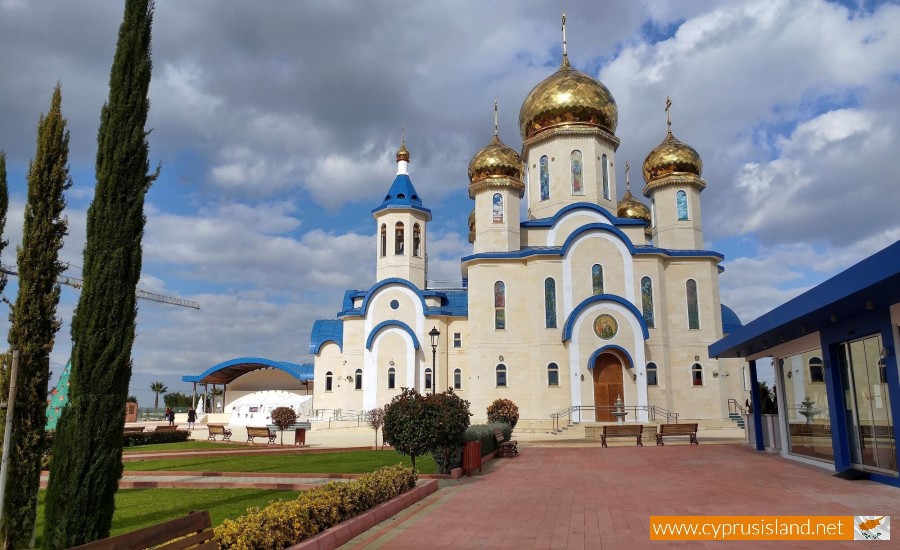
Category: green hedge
<point>287,522</point>
<point>128,440</point>
<point>485,434</point>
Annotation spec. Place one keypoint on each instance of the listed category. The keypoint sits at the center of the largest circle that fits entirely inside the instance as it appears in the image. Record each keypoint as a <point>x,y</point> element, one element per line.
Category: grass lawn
<point>136,508</point>
<point>182,446</point>
<point>350,462</point>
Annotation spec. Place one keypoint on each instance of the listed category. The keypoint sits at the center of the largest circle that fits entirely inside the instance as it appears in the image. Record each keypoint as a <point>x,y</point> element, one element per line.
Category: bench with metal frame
<point>218,429</point>
<point>623,430</point>
<point>507,448</point>
<point>667,430</point>
<point>263,431</point>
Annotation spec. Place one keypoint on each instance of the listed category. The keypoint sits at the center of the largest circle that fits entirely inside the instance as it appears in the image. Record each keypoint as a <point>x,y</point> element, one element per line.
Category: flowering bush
<point>503,410</point>
<point>283,417</point>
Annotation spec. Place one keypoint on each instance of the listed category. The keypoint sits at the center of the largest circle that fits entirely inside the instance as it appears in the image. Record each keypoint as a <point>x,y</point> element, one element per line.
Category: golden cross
<point>627,181</point>
<point>668,118</point>
<point>564,34</point>
<point>403,137</point>
<point>496,123</point>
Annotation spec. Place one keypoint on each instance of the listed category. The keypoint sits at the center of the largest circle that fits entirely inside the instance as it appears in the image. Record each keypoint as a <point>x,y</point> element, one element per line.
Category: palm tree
<point>157,388</point>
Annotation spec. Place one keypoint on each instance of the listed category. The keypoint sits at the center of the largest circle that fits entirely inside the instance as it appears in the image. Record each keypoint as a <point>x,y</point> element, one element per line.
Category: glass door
<point>869,422</point>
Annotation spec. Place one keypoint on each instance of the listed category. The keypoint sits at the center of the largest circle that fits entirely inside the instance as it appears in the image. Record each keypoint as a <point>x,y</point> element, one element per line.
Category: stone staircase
<point>738,419</point>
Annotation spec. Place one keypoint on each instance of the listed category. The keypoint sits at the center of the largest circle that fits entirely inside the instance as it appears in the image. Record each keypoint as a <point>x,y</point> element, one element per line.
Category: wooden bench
<point>196,528</point>
<point>299,429</point>
<point>623,430</point>
<point>166,428</point>
<point>264,431</point>
<point>504,447</point>
<point>666,430</point>
<point>133,429</point>
<point>218,429</point>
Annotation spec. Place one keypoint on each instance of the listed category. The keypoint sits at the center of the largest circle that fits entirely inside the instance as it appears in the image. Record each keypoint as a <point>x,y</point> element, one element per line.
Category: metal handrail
<point>735,407</point>
<point>654,412</point>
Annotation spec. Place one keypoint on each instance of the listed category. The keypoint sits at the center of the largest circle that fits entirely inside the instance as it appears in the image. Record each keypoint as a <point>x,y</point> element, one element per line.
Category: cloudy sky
<point>276,125</point>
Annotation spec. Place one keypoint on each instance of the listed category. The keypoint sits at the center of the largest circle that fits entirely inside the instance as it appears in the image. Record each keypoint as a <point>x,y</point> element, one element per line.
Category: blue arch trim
<point>385,324</point>
<point>392,281</point>
<point>597,227</point>
<point>324,331</point>
<point>611,347</point>
<point>588,302</point>
<point>551,221</point>
<point>227,371</point>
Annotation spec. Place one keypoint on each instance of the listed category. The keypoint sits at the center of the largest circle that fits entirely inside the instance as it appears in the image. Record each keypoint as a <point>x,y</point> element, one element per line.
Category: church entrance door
<point>608,385</point>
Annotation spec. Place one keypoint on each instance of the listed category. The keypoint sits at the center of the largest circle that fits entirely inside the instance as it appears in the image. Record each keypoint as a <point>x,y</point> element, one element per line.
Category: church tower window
<point>550,302</point>
<point>417,240</point>
<point>501,375</point>
<point>816,370</point>
<point>604,168</point>
<point>652,379</point>
<point>428,378</point>
<point>577,174</point>
<point>693,309</point>
<point>329,379</point>
<point>383,240</point>
<point>681,205</point>
<point>647,301</point>
<point>597,279</point>
<point>392,378</point>
<point>545,178</point>
<point>398,238</point>
<point>499,305</point>
<point>357,380</point>
<point>697,374</point>
<point>497,203</point>
<point>457,379</point>
<point>552,374</point>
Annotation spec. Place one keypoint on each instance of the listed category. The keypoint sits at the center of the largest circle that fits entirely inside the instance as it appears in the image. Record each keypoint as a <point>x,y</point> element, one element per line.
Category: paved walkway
<point>603,498</point>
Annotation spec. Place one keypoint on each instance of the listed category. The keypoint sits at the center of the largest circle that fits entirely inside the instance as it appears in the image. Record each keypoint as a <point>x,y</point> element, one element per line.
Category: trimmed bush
<point>152,438</point>
<point>503,410</point>
<point>287,522</point>
<point>485,434</point>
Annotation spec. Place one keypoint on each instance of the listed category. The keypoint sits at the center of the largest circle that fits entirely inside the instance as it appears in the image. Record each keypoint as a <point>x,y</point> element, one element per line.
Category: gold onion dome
<point>633,209</point>
<point>672,157</point>
<point>495,160</point>
<point>402,153</point>
<point>567,97</point>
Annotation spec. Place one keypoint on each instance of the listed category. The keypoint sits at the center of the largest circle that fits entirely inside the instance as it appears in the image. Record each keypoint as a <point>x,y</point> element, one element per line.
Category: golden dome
<point>566,97</point>
<point>495,160</point>
<point>633,209</point>
<point>672,157</point>
<point>472,226</point>
<point>402,153</point>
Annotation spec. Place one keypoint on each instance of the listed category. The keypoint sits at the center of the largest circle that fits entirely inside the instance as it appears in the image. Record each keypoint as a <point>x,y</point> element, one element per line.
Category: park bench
<point>299,429</point>
<point>133,429</point>
<point>505,448</point>
<point>623,430</point>
<point>218,429</point>
<point>191,531</point>
<point>260,432</point>
<point>166,428</point>
<point>666,430</point>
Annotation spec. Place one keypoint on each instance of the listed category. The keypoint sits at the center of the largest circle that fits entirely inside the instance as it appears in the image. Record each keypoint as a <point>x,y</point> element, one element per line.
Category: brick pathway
<point>602,498</point>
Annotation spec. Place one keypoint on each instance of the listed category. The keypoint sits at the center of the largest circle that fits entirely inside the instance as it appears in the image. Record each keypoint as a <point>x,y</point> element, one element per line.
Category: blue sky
<point>276,127</point>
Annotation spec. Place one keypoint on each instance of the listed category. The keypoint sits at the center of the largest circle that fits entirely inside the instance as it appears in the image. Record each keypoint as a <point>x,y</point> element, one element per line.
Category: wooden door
<point>608,385</point>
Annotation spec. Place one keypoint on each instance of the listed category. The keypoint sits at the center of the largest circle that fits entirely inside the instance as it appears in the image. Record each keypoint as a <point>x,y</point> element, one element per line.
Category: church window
<point>328,380</point>
<point>545,178</point>
<point>457,339</point>
<point>577,174</point>
<point>392,378</point>
<point>693,309</point>
<point>652,375</point>
<point>604,167</point>
<point>499,305</point>
<point>395,304</point>
<point>550,302</point>
<point>357,380</point>
<point>501,375</point>
<point>681,205</point>
<point>647,301</point>
<point>498,208</point>
<point>457,379</point>
<point>552,374</point>
<point>383,240</point>
<point>697,374</point>
<point>417,239</point>
<point>398,239</point>
<point>816,372</point>
<point>597,279</point>
<point>428,379</point>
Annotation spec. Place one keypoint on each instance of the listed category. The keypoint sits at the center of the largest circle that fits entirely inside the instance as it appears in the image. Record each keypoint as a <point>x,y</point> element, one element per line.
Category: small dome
<point>672,157</point>
<point>402,153</point>
<point>495,160</point>
<point>631,208</point>
<point>567,96</point>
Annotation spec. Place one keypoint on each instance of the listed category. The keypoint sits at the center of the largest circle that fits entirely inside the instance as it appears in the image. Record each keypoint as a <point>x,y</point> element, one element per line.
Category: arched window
<point>652,375</point>
<point>398,238</point>
<point>428,378</point>
<point>816,370</point>
<point>647,301</point>
<point>550,302</point>
<point>457,379</point>
<point>545,178</point>
<point>604,167</point>
<point>383,239</point>
<point>577,174</point>
<point>597,278</point>
<point>501,376</point>
<point>497,203</point>
<point>328,380</point>
<point>552,374</point>
<point>357,380</point>
<point>499,305</point>
<point>697,374</point>
<point>392,378</point>
<point>693,309</point>
<point>417,239</point>
<point>681,205</point>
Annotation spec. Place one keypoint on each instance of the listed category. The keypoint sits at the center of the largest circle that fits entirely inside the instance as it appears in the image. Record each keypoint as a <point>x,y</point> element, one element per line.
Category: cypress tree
<point>33,318</point>
<point>5,359</point>
<point>87,452</point>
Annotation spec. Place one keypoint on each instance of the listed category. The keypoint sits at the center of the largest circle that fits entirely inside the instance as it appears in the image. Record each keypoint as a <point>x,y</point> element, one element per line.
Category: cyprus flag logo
<point>871,527</point>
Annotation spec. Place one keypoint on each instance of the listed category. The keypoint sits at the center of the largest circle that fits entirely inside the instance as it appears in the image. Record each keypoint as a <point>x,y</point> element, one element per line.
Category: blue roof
<point>328,330</point>
<point>549,222</point>
<point>388,324</point>
<point>453,303</point>
<point>402,194</point>
<point>227,371</point>
<point>730,320</point>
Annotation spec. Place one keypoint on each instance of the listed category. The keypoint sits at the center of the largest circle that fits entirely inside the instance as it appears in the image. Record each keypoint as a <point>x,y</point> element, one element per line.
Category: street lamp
<point>434,343</point>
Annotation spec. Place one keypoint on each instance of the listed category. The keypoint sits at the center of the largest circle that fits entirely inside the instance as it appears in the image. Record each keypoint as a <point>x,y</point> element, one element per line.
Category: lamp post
<point>434,343</point>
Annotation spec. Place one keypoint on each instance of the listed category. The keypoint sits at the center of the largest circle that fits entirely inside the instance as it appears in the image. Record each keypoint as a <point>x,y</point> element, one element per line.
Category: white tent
<point>256,408</point>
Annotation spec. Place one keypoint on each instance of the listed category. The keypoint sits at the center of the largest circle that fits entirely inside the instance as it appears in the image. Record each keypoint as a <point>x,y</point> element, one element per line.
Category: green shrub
<point>453,458</point>
<point>152,438</point>
<point>503,410</point>
<point>287,522</point>
<point>485,434</point>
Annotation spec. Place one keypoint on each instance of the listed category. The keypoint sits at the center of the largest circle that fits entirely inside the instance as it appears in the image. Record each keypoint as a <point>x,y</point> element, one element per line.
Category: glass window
<point>552,374</point>
<point>545,178</point>
<point>681,205</point>
<point>550,302</point>
<point>392,378</point>
<point>697,374</point>
<point>457,339</point>
<point>597,278</point>
<point>417,240</point>
<point>457,379</point>
<point>693,308</point>
<point>647,301</point>
<point>577,173</point>
<point>816,373</point>
<point>428,378</point>
<point>328,380</point>
<point>498,208</point>
<point>604,167</point>
<point>358,380</point>
<point>398,238</point>
<point>501,376</point>
<point>383,239</point>
<point>499,305</point>
<point>806,406</point>
<point>652,379</point>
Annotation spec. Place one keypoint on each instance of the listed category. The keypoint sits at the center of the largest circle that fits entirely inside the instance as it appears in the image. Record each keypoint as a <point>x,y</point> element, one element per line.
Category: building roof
<point>730,321</point>
<point>327,330</point>
<point>227,371</point>
<point>403,195</point>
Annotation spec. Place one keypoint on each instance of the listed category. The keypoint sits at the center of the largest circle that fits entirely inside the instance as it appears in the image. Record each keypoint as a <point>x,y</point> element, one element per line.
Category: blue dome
<point>730,320</point>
